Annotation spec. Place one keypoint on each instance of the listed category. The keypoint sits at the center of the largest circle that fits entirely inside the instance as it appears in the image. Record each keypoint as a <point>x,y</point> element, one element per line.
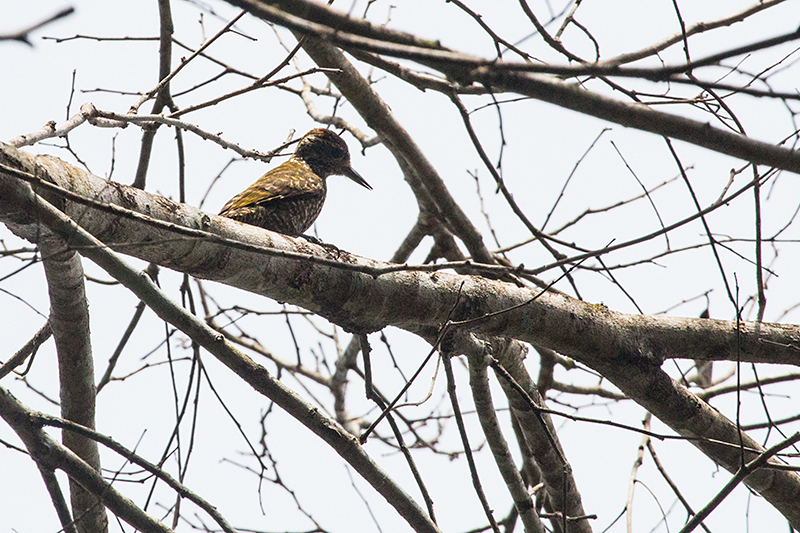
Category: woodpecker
<point>289,198</point>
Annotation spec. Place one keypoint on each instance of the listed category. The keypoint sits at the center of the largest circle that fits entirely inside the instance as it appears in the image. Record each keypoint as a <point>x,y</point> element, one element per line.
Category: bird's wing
<point>279,183</point>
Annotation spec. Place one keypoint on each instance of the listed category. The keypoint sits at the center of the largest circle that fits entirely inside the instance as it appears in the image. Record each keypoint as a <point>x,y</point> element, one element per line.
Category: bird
<point>288,198</point>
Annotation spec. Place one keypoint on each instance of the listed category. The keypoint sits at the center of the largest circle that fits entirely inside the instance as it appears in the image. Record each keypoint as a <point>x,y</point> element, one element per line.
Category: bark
<point>51,455</point>
<point>310,18</point>
<point>345,444</point>
<point>435,199</point>
<point>351,292</point>
<point>482,395</point>
<point>69,322</point>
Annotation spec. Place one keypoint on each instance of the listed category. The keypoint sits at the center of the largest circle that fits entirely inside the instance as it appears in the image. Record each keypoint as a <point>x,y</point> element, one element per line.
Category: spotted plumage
<point>289,198</point>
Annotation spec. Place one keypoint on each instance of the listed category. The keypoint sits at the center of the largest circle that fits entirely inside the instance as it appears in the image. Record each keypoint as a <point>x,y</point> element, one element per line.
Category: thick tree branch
<point>22,196</point>
<point>626,349</point>
<point>500,77</point>
<point>50,455</point>
<point>69,321</point>
<point>482,395</point>
<point>540,435</point>
<point>69,427</point>
<point>363,302</point>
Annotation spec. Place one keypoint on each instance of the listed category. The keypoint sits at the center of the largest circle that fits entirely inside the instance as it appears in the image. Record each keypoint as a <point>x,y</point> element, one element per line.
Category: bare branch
<point>23,35</point>
<point>49,454</point>
<point>69,322</point>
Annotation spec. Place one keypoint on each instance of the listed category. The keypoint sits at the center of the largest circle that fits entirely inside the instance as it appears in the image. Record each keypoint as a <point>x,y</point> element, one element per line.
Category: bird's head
<point>326,153</point>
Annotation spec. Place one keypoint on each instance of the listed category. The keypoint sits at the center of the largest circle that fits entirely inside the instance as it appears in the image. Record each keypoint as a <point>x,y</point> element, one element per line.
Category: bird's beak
<point>353,175</point>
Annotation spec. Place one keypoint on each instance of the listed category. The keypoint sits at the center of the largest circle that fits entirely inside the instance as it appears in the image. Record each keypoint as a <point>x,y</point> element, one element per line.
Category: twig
<point>22,35</point>
<point>145,97</point>
<point>743,472</point>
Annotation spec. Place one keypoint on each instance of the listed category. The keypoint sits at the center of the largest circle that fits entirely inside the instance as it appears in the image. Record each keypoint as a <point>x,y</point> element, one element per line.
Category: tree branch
<point>257,376</point>
<point>49,454</point>
<point>626,349</point>
<point>69,322</point>
<point>504,77</point>
<point>481,393</point>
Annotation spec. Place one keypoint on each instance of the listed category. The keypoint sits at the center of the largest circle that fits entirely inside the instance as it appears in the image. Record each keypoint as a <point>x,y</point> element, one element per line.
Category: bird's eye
<point>337,152</point>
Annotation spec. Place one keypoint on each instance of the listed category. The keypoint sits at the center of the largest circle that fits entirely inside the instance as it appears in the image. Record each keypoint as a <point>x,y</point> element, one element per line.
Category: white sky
<point>543,144</point>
